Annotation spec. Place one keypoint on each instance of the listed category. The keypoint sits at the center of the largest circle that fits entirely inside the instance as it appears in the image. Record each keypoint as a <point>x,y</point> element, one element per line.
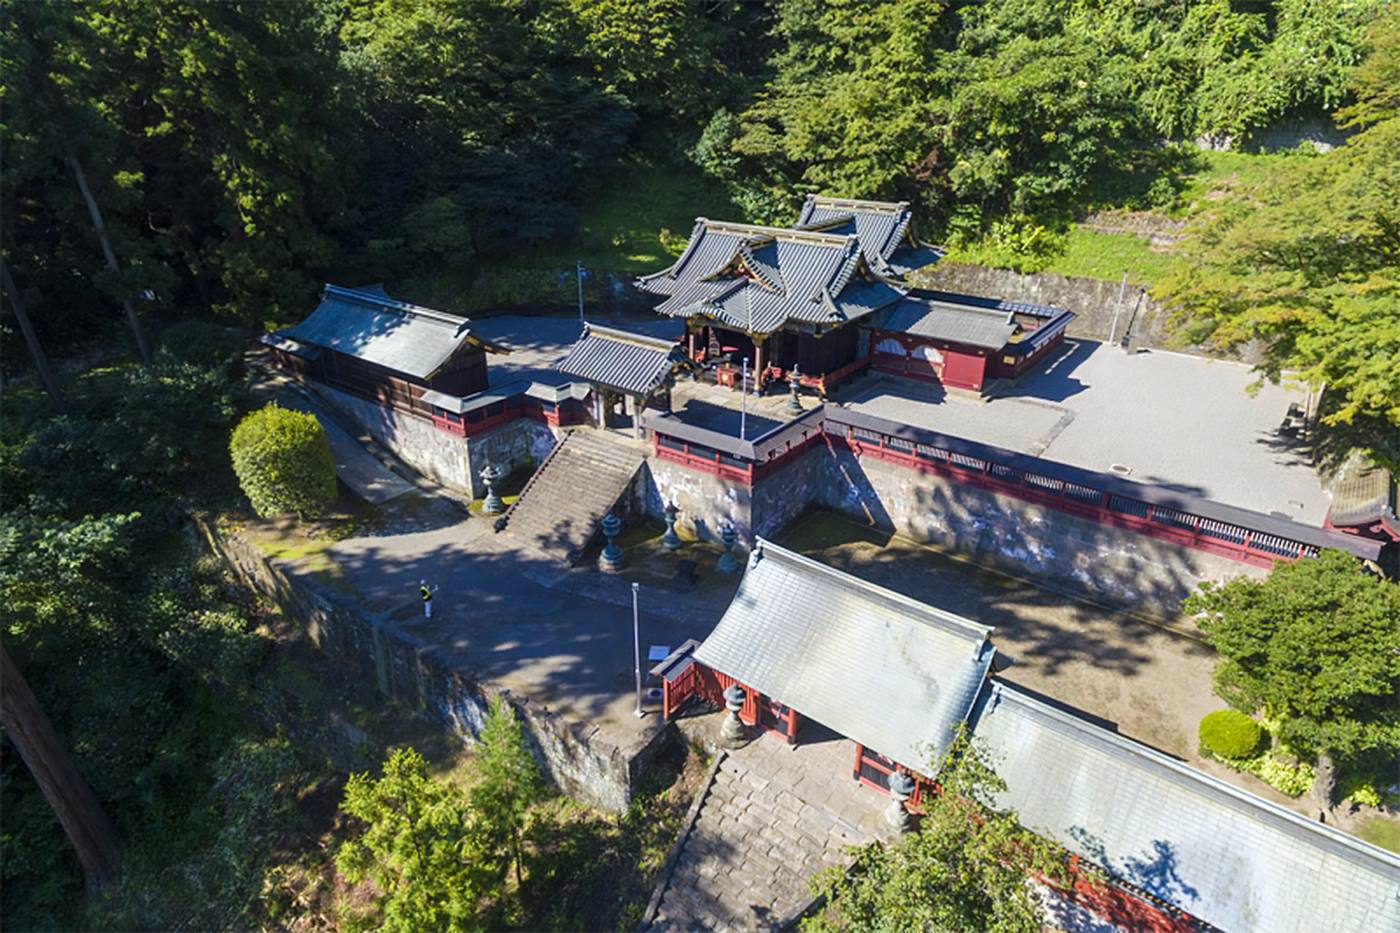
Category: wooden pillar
<point>758,364</point>
<point>689,343</point>
<point>855,769</point>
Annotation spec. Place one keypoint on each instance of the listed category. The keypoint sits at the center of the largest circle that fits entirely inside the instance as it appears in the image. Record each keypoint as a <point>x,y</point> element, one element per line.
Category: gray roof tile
<point>944,321</point>
<point>369,325</point>
<point>621,359</point>
<point>889,672</point>
<point>1219,853</point>
<point>812,278</point>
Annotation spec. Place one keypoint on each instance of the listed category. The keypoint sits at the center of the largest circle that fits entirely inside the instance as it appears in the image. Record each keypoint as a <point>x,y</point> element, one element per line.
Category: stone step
<point>560,509</point>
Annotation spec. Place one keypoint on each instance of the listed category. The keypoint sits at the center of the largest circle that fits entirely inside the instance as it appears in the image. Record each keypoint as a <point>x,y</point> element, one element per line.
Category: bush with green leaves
<point>283,461</point>
<point>1229,734</point>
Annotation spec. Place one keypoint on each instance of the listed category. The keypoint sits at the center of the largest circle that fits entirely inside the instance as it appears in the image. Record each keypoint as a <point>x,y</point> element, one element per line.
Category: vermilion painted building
<point>1178,850</point>
<point>964,341</point>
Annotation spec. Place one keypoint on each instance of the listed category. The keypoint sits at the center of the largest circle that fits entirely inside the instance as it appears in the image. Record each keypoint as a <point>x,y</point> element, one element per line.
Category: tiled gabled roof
<point>887,671</point>
<point>1219,853</point>
<point>620,359</point>
<point>882,226</point>
<point>793,276</point>
<point>975,327</point>
<point>369,325</point>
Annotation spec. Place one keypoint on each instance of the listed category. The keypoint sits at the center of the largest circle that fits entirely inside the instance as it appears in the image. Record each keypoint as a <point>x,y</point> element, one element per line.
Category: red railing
<point>701,458</point>
<point>1177,527</point>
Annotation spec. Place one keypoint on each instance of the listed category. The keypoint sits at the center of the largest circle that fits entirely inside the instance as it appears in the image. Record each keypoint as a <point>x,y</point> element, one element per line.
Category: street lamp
<point>637,648</point>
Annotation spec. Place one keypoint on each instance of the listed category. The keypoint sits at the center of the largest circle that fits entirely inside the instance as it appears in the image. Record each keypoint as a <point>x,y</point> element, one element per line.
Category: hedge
<point>283,461</point>
<point>1230,734</point>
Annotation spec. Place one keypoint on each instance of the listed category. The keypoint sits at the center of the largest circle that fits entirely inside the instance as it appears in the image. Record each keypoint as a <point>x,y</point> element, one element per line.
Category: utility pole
<point>744,402</point>
<point>637,647</point>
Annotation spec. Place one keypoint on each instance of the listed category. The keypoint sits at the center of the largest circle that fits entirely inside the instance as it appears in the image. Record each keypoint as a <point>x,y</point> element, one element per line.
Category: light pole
<point>637,648</point>
<point>578,274</point>
<point>744,402</point>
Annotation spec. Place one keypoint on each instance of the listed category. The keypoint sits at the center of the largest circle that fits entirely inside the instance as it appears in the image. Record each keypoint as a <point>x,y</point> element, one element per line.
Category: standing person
<point>427,593</point>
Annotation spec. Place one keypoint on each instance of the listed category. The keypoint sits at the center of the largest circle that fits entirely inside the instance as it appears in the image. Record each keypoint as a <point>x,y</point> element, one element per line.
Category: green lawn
<point>1220,171</point>
<point>1108,255</point>
<point>1380,831</point>
<point>622,227</point>
<point>1089,253</point>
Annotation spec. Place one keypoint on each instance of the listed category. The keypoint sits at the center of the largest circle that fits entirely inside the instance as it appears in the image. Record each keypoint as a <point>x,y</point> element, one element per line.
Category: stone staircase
<point>577,484</point>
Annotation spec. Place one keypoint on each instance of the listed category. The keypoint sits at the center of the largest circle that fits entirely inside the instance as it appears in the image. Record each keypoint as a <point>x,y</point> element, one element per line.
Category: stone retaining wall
<point>414,672</point>
<point>1101,562</point>
<point>1105,563</point>
<point>1094,301</point>
<point>453,461</point>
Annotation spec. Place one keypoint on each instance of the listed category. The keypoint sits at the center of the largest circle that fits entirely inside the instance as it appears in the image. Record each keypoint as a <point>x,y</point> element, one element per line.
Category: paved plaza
<point>1167,418</point>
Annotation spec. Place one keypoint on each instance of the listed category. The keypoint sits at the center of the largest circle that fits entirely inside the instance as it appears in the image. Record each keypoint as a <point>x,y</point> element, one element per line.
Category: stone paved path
<point>771,819</point>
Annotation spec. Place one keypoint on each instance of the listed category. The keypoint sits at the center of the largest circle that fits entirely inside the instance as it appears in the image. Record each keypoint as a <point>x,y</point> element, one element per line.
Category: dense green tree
<point>510,781</point>
<point>422,845</point>
<point>1314,646</point>
<point>964,868</point>
<point>665,56</point>
<point>1309,262</point>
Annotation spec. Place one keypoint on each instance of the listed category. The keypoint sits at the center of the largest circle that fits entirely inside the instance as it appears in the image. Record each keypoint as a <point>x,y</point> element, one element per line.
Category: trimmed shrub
<point>283,462</point>
<point>1228,733</point>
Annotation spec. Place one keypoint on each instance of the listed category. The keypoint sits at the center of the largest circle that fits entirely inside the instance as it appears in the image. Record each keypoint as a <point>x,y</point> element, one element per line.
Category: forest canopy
<point>241,153</point>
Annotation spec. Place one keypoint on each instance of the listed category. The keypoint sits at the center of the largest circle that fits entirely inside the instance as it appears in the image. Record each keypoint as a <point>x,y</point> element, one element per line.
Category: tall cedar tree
<point>423,846</point>
<point>510,781</point>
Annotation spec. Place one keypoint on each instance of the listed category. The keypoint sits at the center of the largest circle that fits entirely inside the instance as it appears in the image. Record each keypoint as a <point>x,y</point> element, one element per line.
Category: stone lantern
<point>732,732</point>
<point>794,406</point>
<point>901,787</point>
<point>670,540</point>
<point>727,563</point>
<point>611,561</point>
<point>492,505</point>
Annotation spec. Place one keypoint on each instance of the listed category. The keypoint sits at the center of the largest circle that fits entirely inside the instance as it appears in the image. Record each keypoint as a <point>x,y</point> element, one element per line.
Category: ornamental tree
<point>510,782</point>
<point>1314,646</point>
<point>283,461</point>
<point>965,868</point>
<point>423,846</point>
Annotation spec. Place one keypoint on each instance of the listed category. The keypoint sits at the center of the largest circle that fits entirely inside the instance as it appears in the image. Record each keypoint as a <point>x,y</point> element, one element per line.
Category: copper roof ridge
<point>887,207</point>
<point>760,232</point>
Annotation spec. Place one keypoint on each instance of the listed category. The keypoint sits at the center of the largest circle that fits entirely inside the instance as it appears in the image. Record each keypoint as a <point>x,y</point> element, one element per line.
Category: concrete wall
<point>1109,564</point>
<point>1093,300</point>
<point>705,501</point>
<point>411,671</point>
<point>455,462</point>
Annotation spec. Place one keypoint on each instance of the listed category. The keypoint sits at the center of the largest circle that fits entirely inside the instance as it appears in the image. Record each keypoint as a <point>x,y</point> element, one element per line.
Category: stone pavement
<point>773,816</point>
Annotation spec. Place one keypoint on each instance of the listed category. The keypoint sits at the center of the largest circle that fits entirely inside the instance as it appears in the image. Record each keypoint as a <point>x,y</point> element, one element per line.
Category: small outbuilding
<point>628,373</point>
<point>415,359</point>
<point>964,341</point>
